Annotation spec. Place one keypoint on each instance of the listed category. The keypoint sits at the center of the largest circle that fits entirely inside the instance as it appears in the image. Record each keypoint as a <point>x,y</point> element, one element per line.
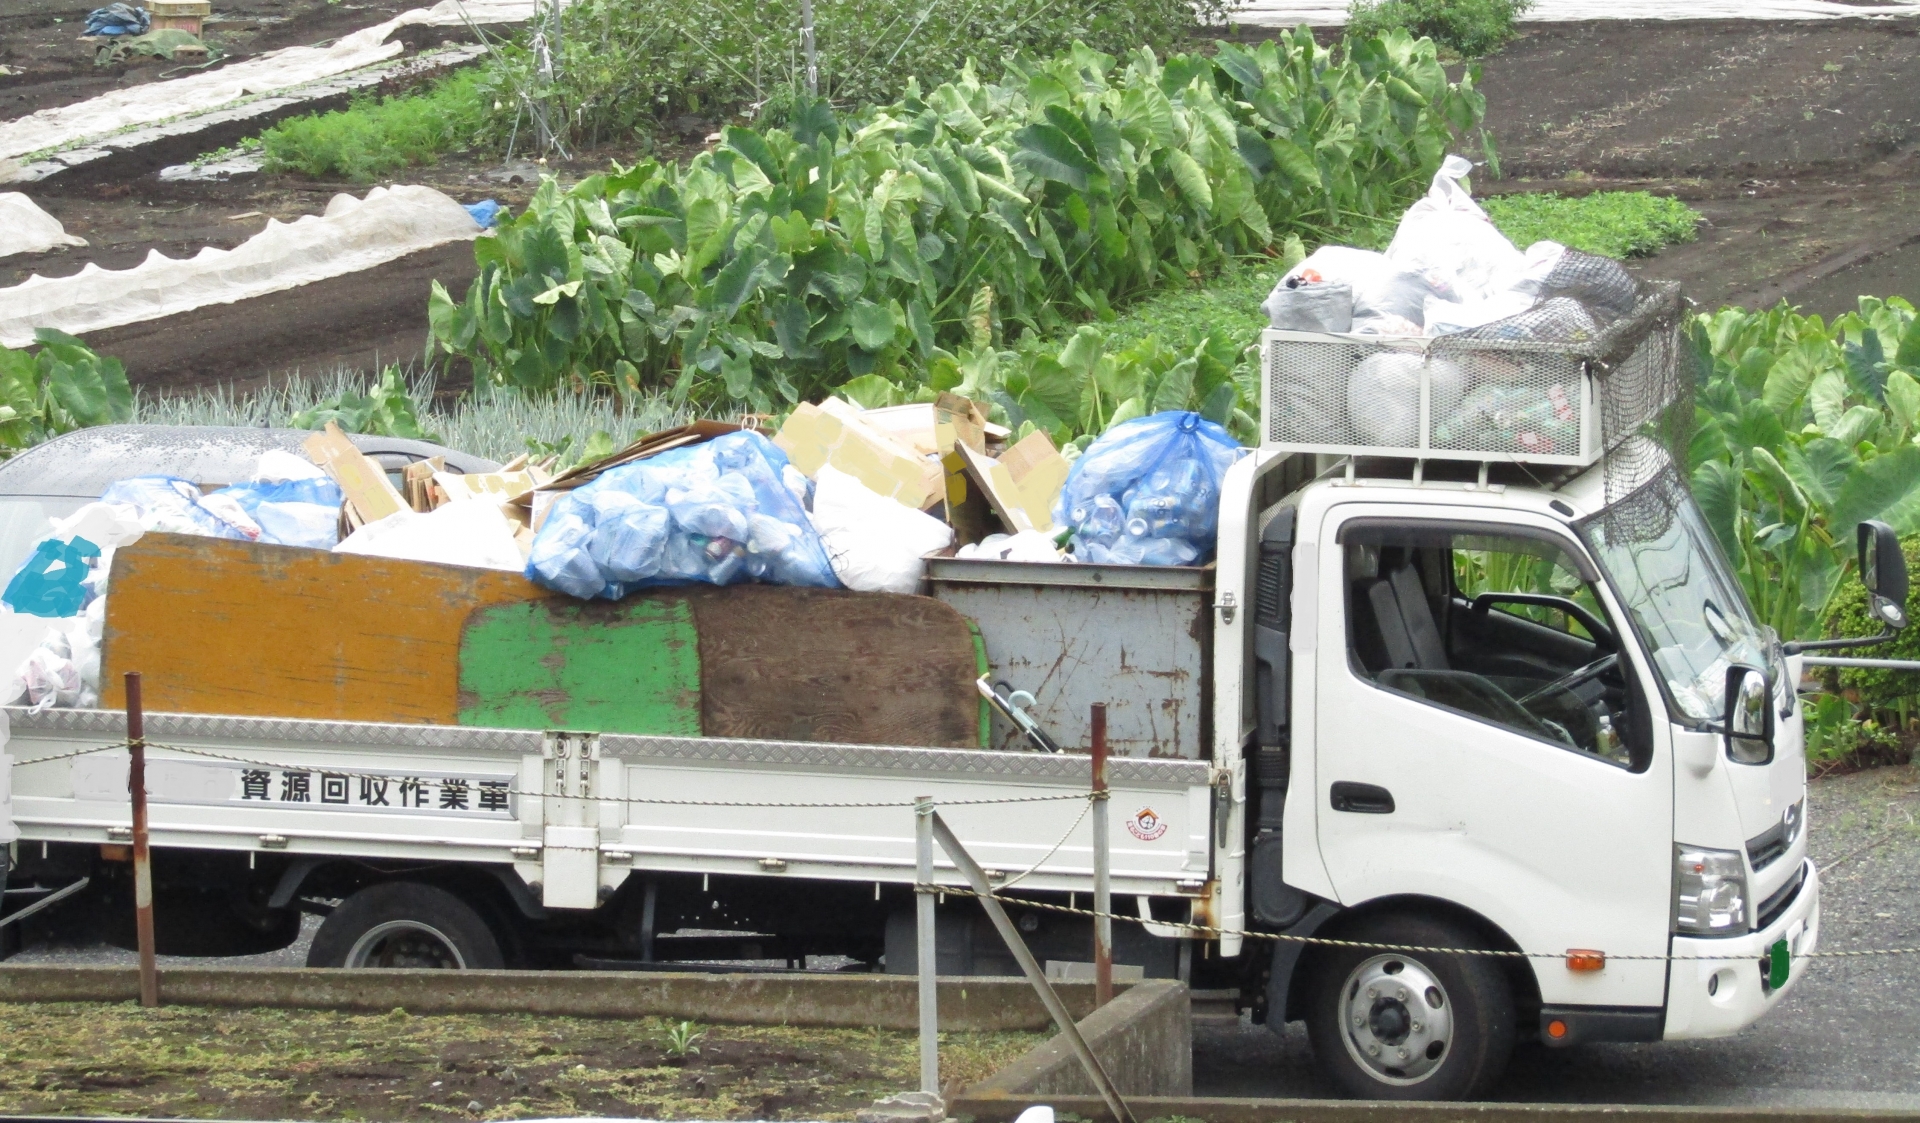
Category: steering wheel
<point>1573,678</point>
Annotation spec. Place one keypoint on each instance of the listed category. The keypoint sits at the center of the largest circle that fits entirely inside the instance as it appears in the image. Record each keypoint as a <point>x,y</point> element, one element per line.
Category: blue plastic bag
<point>303,512</point>
<point>1148,491</point>
<point>168,503</point>
<point>118,19</point>
<point>52,581</point>
<point>716,512</point>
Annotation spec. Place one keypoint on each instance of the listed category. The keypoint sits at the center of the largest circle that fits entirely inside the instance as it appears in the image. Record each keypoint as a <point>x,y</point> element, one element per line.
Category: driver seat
<point>1408,632</point>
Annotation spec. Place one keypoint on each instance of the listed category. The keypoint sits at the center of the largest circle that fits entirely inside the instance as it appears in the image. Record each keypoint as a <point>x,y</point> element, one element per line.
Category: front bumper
<point>1734,972</point>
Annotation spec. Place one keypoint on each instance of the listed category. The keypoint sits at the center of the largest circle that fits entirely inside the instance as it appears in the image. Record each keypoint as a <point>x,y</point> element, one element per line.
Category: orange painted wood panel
<point>223,627</point>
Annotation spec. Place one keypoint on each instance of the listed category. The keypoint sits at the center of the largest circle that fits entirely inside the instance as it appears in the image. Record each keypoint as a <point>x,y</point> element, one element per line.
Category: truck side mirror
<point>1748,722</point>
<point>1883,570</point>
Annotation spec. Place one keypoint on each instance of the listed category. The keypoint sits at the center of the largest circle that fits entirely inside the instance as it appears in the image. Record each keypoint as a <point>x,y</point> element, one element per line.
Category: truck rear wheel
<point>1388,1025</point>
<point>405,924</point>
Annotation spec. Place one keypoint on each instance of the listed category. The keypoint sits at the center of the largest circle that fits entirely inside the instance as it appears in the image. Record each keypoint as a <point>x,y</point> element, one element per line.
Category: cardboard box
<point>835,433</point>
<point>1022,484</point>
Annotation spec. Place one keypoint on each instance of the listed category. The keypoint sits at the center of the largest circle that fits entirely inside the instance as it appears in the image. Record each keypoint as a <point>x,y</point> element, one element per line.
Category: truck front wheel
<point>405,924</point>
<point>1391,1025</point>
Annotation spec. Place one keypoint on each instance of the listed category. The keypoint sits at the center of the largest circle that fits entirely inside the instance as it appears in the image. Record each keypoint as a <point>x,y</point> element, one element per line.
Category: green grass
<point>1611,223</point>
<point>374,137</point>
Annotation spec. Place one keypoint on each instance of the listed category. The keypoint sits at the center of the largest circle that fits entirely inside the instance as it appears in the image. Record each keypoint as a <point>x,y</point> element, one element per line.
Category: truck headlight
<point>1709,892</point>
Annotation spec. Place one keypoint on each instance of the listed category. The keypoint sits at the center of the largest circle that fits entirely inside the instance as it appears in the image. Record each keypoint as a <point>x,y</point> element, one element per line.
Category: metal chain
<point>1091,798</point>
<point>22,762</point>
<point>1209,932</point>
<point>1087,798</point>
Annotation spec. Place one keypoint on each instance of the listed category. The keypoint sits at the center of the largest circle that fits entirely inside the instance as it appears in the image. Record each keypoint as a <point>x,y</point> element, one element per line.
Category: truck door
<point>1482,737</point>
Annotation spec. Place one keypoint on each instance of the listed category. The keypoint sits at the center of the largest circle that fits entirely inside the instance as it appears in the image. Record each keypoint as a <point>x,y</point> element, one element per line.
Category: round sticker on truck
<point>1146,825</point>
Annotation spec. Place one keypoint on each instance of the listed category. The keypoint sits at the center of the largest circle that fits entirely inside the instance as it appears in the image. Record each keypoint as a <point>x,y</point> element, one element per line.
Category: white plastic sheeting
<point>1280,13</point>
<point>25,228</point>
<point>284,69</point>
<point>353,235</point>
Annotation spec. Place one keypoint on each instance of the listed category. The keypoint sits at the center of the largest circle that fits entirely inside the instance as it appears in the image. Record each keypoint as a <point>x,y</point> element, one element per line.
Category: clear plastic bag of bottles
<point>1148,491</point>
<point>722,512</point>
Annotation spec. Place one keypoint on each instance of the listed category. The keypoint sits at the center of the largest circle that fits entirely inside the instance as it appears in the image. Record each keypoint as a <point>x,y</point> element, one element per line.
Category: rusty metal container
<point>1138,638</point>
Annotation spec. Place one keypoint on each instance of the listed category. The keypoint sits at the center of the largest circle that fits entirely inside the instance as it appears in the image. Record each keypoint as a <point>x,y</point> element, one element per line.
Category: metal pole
<point>142,867</point>
<point>1102,866</point>
<point>806,45</point>
<point>977,878</point>
<point>929,965</point>
<point>1844,661</point>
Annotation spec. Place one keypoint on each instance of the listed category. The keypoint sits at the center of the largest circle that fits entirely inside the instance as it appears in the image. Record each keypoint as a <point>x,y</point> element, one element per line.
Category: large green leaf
<point>872,324</point>
<point>1820,469</point>
<point>1050,154</point>
<point>1716,488</point>
<point>1886,487</point>
<point>1190,178</point>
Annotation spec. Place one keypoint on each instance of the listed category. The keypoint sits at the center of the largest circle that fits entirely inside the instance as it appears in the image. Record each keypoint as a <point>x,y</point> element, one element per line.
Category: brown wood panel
<point>224,627</point>
<point>827,665</point>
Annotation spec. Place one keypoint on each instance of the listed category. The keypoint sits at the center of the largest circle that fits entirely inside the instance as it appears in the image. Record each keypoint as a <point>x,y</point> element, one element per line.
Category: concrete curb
<point>1144,1039</point>
<point>879,1001</point>
<point>1003,1108</point>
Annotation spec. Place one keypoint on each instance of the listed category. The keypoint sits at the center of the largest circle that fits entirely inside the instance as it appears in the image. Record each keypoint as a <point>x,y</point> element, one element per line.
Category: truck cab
<point>1495,716</point>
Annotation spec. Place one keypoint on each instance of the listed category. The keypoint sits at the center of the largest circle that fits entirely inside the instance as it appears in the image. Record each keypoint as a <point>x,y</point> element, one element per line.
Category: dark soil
<point>39,38</point>
<point>1795,140</point>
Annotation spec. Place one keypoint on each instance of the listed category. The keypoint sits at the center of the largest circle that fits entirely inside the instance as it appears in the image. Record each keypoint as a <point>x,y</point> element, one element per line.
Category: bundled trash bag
<point>720,512</point>
<point>876,544</point>
<point>1148,491</point>
<point>1446,233</point>
<point>118,19</point>
<point>293,501</point>
<point>176,506</point>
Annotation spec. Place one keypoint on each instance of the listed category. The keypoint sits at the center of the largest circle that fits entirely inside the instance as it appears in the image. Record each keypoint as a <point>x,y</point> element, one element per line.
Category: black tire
<point>405,924</point>
<point>1410,1043</point>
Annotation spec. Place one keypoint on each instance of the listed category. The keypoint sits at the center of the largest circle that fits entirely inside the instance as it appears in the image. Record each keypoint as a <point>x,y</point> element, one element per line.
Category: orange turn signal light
<point>1586,959</point>
<point>1556,1029</point>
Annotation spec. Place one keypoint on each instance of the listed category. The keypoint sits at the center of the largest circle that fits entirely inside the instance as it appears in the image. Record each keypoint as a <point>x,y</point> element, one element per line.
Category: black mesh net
<point>1631,336</point>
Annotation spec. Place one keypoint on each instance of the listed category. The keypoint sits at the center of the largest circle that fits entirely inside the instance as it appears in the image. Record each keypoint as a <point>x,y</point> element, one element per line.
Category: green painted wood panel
<point>631,667</point>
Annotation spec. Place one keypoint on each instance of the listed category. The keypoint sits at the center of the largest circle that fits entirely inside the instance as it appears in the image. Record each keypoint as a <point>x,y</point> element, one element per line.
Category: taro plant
<point>1803,429</point>
<point>62,387</point>
<point>785,263</point>
<point>386,408</point>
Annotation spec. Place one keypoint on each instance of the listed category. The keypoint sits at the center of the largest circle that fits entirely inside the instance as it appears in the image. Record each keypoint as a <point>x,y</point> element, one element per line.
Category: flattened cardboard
<point>360,477</point>
<point>1040,471</point>
<point>832,433</point>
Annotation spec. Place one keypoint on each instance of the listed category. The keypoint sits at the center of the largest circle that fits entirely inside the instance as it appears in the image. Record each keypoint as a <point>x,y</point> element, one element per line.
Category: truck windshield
<point>1664,565</point>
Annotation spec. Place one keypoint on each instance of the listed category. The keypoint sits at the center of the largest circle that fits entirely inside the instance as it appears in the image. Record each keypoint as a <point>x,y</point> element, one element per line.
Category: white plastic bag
<point>1026,546</point>
<point>875,544</point>
<point>1443,317</point>
<point>1383,396</point>
<point>1446,235</point>
<point>477,535</point>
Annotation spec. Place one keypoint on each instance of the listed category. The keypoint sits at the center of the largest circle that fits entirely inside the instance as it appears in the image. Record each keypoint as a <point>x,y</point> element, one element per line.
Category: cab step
<point>1215,1007</point>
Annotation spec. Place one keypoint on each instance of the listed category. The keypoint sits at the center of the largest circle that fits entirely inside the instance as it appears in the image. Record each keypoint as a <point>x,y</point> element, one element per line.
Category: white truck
<point>1454,699</point>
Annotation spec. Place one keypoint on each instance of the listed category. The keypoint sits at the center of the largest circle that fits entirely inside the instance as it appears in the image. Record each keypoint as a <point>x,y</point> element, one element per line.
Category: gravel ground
<point>1844,1038</point>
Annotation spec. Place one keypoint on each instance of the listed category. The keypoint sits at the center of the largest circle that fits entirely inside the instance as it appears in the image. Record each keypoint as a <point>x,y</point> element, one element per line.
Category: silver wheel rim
<point>405,943</point>
<point>1396,1019</point>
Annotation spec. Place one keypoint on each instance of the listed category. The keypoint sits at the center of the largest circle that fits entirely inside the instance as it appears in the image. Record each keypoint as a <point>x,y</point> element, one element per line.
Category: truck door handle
<point>1362,799</point>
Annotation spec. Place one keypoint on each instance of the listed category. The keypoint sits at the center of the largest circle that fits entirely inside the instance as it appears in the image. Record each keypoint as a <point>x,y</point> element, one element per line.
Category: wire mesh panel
<point>1549,386</point>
